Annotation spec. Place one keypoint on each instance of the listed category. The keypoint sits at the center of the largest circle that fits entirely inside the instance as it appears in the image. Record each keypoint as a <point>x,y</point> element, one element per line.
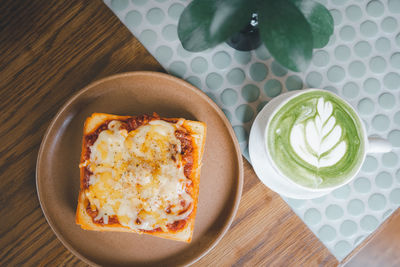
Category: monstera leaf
<point>286,33</point>
<point>206,23</point>
<point>320,20</point>
<point>290,29</point>
<point>318,140</point>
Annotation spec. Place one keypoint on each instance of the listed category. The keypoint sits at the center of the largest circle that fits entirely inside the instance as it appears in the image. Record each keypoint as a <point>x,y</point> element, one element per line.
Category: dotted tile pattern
<point>361,63</point>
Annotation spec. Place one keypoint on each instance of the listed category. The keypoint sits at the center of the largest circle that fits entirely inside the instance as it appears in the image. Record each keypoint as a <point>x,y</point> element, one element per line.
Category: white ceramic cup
<point>269,173</point>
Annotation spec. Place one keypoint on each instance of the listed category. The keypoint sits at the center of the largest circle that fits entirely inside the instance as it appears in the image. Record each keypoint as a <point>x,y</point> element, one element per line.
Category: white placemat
<point>361,63</point>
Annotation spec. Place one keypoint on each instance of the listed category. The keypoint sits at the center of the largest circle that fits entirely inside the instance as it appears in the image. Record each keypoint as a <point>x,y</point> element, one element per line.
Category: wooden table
<point>51,49</point>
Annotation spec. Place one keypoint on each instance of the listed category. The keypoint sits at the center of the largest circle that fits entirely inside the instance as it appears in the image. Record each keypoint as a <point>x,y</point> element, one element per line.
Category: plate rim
<point>160,75</point>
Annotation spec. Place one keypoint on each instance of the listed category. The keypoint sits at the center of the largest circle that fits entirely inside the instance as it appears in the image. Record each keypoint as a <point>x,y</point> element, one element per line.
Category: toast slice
<point>140,174</point>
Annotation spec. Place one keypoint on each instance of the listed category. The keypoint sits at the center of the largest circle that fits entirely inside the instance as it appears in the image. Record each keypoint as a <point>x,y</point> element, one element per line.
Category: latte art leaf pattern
<point>318,140</point>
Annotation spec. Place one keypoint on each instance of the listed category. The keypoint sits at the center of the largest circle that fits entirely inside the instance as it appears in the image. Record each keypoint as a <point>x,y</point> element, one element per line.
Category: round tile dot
<point>342,53</point>
<point>228,115</point>
<point>199,65</point>
<point>355,207</point>
<point>370,164</point>
<point>175,10</point>
<point>327,233</point>
<point>395,60</point>
<point>314,79</point>
<point>148,37</point>
<point>362,185</point>
<point>377,202</point>
<point>390,159</point>
<point>331,89</point>
<point>294,83</point>
<point>350,90</point>
<point>365,106</point>
<point>375,8</point>
<point>380,122</point>
<point>389,24</point>
<point>342,192</point>
<point>394,138</point>
<point>272,88</point>
<point>258,72</point>
<point>392,81</point>
<point>312,216</point>
<point>348,228</point>
<point>242,57</point>
<point>368,28</point>
<point>240,133</point>
<point>118,5</point>
<point>244,113</point>
<point>347,33</point>
<point>342,248</point>
<point>333,212</point>
<point>377,64</point>
<point>164,54</point>
<point>182,51</point>
<point>335,74</point>
<point>235,76</point>
<point>319,200</point>
<point>397,118</point>
<point>357,69</point>
<point>155,16</point>
<point>214,81</point>
<point>395,196</point>
<point>170,33</point>
<point>177,68</point>
<point>353,13</point>
<point>194,81</point>
<point>386,101</point>
<point>221,60</point>
<point>250,92</point>
<point>229,97</point>
<point>262,53</point>
<point>369,223</point>
<point>371,86</point>
<point>133,19</point>
<point>277,69</point>
<point>362,49</point>
<point>337,16</point>
<point>394,6</point>
<point>296,203</point>
<point>320,58</point>
<point>382,45</point>
<point>384,180</point>
<point>139,2</point>
<point>261,105</point>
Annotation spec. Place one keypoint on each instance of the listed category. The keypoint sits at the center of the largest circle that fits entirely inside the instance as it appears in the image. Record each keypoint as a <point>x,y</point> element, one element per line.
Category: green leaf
<point>320,20</point>
<point>286,33</point>
<point>206,23</point>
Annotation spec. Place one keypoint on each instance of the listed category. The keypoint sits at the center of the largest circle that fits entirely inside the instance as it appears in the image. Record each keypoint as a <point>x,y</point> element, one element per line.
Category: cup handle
<point>378,145</point>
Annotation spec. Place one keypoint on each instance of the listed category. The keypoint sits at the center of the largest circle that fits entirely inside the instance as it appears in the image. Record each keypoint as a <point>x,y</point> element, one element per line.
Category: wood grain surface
<point>51,49</point>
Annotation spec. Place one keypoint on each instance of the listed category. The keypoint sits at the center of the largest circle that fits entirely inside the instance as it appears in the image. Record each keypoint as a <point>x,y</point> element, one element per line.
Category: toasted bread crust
<point>197,131</point>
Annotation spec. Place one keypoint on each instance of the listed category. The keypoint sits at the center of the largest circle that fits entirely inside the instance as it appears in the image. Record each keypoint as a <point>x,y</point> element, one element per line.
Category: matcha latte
<point>316,139</point>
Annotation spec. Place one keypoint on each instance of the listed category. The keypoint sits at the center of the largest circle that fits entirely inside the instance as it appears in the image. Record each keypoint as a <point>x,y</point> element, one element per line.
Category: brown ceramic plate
<point>57,173</point>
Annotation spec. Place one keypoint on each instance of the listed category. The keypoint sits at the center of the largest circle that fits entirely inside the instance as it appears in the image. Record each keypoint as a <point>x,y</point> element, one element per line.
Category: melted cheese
<point>138,176</point>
